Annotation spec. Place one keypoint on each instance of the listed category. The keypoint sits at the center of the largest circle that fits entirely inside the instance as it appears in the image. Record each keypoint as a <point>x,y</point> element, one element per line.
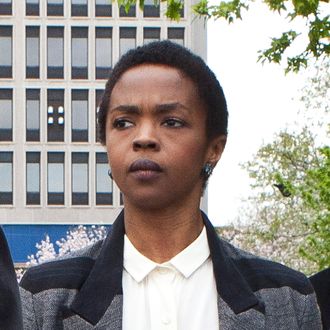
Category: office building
<point>55,57</point>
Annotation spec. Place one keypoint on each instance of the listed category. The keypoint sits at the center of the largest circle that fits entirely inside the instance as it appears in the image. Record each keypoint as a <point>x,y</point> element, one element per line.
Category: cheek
<point>189,157</point>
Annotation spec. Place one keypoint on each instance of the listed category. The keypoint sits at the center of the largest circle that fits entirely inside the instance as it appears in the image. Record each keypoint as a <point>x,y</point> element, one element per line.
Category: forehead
<point>155,80</point>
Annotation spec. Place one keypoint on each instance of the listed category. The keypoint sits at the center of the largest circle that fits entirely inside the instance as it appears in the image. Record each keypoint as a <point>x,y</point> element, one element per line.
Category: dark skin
<point>157,146</point>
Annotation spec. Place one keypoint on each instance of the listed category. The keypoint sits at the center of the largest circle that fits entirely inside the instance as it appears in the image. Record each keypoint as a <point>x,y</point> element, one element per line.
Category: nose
<point>146,139</point>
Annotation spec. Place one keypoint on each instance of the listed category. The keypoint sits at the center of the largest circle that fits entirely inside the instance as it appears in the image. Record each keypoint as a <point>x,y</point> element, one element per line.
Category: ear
<point>215,149</point>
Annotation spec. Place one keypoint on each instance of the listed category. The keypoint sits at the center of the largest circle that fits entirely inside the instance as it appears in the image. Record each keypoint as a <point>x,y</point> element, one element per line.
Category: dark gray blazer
<point>84,291</point>
<point>10,305</point>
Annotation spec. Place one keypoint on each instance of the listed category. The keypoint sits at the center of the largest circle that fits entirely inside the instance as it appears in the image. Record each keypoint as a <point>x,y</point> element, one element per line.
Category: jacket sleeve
<point>29,316</point>
<point>311,319</point>
<point>10,304</point>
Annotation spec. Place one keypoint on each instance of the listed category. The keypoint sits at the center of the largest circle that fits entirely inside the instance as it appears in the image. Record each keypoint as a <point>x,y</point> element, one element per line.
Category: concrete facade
<point>16,152</point>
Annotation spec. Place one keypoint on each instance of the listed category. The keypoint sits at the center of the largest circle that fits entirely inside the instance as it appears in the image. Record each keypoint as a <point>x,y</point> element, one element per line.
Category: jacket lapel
<point>238,306</point>
<point>102,291</point>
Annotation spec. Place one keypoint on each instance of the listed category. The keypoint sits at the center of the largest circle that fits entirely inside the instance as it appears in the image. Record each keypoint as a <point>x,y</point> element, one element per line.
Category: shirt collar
<point>186,262</point>
<point>193,256</point>
<point>135,263</point>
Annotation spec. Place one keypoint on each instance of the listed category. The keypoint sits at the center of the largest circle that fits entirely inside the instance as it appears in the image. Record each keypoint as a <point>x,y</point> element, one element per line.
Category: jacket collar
<point>105,280</point>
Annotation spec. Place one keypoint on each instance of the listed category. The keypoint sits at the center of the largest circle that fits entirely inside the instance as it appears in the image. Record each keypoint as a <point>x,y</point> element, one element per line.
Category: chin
<point>150,202</point>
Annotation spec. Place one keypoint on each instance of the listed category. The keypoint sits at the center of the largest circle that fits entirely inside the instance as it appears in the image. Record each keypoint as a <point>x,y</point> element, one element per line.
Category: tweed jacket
<point>84,291</point>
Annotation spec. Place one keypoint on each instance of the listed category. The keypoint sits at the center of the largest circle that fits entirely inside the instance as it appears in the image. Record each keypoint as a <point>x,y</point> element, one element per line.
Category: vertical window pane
<point>79,178</point>
<point>6,56</point>
<point>103,49</point>
<point>33,178</point>
<point>79,53</point>
<point>131,12</point>
<point>104,184</point>
<point>54,7</point>
<point>127,39</point>
<point>5,7</point>
<point>176,35</point>
<point>32,52</point>
<point>151,34</point>
<point>55,52</point>
<point>150,9</point>
<point>6,115</point>
<point>55,178</point>
<point>32,7</point>
<point>103,8</point>
<point>79,107</point>
<point>98,97</point>
<point>6,175</point>
<point>32,115</point>
<point>55,115</point>
<point>79,8</point>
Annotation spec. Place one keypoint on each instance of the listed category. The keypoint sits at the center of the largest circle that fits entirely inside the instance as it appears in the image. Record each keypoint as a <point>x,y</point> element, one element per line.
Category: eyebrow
<point>126,108</point>
<point>160,108</point>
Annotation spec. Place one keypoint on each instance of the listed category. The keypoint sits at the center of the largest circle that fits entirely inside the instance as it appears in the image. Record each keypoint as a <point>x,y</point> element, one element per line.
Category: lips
<point>144,165</point>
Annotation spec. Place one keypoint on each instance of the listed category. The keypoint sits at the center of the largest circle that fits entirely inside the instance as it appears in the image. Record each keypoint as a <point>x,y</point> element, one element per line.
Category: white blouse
<point>179,294</point>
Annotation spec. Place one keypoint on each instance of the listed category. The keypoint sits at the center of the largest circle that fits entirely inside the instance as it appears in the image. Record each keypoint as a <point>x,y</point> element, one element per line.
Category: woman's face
<point>156,137</point>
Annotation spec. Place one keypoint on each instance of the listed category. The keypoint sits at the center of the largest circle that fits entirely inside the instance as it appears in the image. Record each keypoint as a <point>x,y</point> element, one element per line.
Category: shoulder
<point>261,273</point>
<point>68,272</point>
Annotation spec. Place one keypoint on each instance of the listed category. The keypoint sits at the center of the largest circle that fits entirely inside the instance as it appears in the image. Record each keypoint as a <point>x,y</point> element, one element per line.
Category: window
<point>182,9</point>
<point>79,178</point>
<point>127,39</point>
<point>151,34</point>
<point>6,56</point>
<point>54,7</point>
<point>32,115</point>
<point>103,52</point>
<point>32,52</point>
<point>176,35</point>
<point>32,7</point>
<point>55,115</point>
<point>55,178</point>
<point>6,115</point>
<point>79,110</point>
<point>131,12</point>
<point>5,7</point>
<point>33,178</point>
<point>103,8</point>
<point>79,53</point>
<point>79,8</point>
<point>104,183</point>
<point>55,52</point>
<point>150,9</point>
<point>6,175</point>
<point>98,98</point>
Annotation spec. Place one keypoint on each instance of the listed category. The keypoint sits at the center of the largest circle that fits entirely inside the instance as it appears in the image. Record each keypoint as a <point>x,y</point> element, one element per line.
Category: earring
<point>110,173</point>
<point>207,170</point>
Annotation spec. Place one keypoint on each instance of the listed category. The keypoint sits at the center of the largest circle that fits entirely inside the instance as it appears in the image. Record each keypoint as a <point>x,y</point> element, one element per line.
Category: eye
<point>173,122</point>
<point>122,123</point>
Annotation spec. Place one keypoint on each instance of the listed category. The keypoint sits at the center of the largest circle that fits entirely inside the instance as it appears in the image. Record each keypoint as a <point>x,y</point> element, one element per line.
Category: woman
<point>163,120</point>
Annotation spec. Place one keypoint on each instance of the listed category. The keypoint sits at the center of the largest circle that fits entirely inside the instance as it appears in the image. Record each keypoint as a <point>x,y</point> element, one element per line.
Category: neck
<point>162,234</point>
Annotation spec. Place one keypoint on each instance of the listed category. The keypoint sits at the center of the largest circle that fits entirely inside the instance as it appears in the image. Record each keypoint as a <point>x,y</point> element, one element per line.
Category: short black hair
<point>173,55</point>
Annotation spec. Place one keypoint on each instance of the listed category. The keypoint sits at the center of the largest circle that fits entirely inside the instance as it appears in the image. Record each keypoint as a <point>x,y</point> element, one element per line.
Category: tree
<point>290,176</point>
<point>281,221</point>
<point>314,13</point>
<point>316,196</point>
<point>76,238</point>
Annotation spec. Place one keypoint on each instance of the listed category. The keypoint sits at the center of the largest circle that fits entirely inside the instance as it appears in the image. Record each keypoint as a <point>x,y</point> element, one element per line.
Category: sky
<point>261,100</point>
